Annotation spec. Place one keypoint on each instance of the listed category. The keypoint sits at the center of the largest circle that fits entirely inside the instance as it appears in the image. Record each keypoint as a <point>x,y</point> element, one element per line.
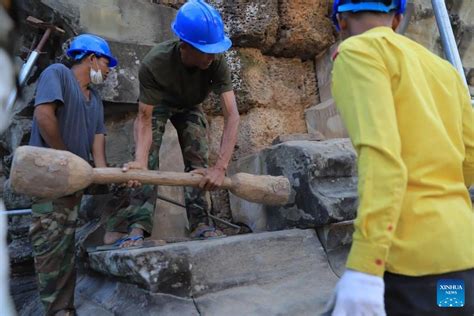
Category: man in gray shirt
<point>68,116</point>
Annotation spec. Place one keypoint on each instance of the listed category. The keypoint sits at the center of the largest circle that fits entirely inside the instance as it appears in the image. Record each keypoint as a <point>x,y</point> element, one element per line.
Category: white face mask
<point>96,76</point>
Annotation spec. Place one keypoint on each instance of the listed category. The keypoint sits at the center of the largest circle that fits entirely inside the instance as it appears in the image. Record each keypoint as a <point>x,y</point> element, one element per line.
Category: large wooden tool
<point>50,173</point>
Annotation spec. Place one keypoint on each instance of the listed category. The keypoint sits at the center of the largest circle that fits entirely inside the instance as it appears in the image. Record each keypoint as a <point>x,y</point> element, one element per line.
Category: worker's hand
<point>212,178</point>
<point>137,165</point>
<point>357,294</point>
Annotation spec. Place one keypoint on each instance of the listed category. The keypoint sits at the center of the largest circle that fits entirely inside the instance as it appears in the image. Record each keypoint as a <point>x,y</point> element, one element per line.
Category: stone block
<point>337,240</point>
<point>305,29</point>
<point>258,128</point>
<point>122,84</point>
<point>244,261</point>
<point>325,119</point>
<point>250,23</point>
<point>323,179</point>
<point>292,137</point>
<point>120,146</point>
<point>336,235</point>
<point>139,22</point>
<point>323,71</point>
<point>15,201</point>
<point>170,220</point>
<point>268,82</point>
<point>17,134</point>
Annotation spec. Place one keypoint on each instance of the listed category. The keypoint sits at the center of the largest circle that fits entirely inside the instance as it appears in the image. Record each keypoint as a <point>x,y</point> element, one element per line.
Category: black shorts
<point>418,296</point>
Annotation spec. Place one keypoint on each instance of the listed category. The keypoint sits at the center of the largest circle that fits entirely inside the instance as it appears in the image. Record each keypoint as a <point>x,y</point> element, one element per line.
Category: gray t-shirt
<point>79,120</point>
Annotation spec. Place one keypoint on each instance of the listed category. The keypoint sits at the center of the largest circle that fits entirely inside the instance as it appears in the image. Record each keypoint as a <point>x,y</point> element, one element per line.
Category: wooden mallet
<point>49,173</point>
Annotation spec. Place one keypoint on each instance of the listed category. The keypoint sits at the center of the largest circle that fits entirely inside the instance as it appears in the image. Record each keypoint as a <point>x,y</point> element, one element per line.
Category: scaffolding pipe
<point>447,36</point>
<point>6,302</point>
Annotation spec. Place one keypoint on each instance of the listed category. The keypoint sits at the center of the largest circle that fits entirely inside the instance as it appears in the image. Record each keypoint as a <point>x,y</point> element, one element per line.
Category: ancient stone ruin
<point>281,69</point>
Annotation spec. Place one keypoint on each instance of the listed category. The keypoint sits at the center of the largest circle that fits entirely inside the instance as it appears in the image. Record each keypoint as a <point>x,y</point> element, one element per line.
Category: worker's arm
<point>362,91</point>
<point>468,137</point>
<point>214,176</point>
<point>45,115</point>
<point>142,134</point>
<point>150,95</point>
<point>98,151</point>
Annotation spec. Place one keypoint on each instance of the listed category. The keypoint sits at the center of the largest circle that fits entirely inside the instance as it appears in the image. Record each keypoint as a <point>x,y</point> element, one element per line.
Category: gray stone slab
<point>198,268</point>
<point>108,297</point>
<point>323,179</point>
<point>122,84</point>
<point>337,240</point>
<point>301,294</point>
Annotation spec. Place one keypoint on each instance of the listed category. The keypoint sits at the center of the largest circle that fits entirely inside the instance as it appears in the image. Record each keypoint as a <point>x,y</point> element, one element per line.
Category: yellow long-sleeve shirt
<point>410,120</point>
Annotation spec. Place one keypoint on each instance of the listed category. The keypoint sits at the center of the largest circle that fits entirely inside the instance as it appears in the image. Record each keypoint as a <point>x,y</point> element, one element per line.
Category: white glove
<point>357,294</point>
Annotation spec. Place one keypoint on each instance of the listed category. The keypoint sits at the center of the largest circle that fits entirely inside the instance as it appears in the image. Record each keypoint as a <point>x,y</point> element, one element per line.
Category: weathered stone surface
<point>24,292</point>
<point>120,146</point>
<point>18,226</point>
<point>337,240</point>
<point>323,179</point>
<point>292,137</point>
<point>19,246</point>
<point>20,253</point>
<point>268,82</point>
<point>250,23</point>
<point>258,128</point>
<point>190,269</point>
<point>272,94</point>
<point>17,134</point>
<point>14,201</point>
<point>119,20</point>
<point>323,71</point>
<point>298,294</point>
<point>115,298</point>
<point>96,295</point>
<point>424,30</point>
<point>170,220</point>
<point>122,84</point>
<point>336,235</point>
<point>325,119</point>
<point>305,30</point>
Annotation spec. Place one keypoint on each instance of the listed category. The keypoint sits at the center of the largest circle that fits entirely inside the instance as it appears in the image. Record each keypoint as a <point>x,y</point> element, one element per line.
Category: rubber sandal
<point>201,230</point>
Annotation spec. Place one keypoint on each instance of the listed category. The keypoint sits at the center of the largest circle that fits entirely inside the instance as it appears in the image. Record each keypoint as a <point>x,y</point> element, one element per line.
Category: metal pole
<point>16,212</point>
<point>447,36</point>
<point>6,302</point>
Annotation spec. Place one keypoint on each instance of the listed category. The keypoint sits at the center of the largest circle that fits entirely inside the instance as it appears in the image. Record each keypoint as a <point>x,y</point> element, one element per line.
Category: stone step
<point>238,268</point>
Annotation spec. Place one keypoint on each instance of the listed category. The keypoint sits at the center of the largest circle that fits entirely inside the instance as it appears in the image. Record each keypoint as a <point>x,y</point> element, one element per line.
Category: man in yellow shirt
<point>409,117</point>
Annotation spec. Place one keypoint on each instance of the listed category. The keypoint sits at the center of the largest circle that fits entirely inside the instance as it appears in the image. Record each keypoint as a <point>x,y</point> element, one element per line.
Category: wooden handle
<point>116,175</point>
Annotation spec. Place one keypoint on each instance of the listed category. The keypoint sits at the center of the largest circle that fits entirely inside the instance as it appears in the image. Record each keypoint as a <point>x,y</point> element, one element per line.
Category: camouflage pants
<point>131,208</point>
<point>52,234</point>
<point>191,126</point>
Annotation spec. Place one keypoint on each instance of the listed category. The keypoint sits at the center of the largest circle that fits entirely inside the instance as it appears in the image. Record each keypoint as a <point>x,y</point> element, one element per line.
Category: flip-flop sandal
<point>121,241</point>
<point>200,231</point>
<point>117,244</point>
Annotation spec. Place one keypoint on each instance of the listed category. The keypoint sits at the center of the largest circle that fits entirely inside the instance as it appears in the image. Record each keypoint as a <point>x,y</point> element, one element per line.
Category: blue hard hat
<point>367,5</point>
<point>85,44</point>
<point>200,25</point>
